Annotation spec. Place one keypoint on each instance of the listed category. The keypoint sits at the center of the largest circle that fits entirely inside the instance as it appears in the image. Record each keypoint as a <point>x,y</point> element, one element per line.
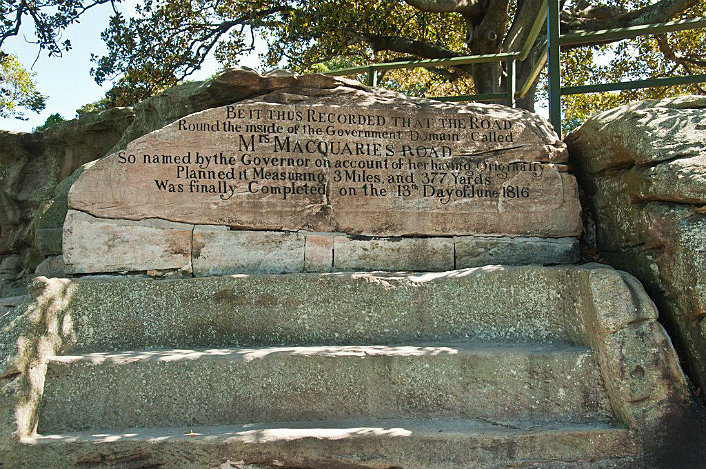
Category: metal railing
<point>548,15</point>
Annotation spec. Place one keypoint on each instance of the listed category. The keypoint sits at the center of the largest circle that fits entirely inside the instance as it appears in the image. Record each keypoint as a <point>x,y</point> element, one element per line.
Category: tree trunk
<point>486,38</point>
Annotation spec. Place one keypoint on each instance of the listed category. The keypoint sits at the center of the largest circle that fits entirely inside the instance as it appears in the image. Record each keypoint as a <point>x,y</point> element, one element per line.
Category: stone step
<point>538,304</point>
<point>233,386</point>
<point>346,444</point>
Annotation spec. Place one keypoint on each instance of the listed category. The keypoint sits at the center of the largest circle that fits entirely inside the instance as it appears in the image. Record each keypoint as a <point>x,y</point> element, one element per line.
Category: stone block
<point>476,251</point>
<point>219,251</point>
<point>104,245</point>
<point>90,392</point>
<point>409,443</point>
<point>497,303</point>
<point>391,254</point>
<point>318,253</point>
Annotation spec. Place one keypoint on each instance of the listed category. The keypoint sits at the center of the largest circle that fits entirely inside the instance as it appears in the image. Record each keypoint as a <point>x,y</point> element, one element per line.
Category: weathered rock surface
<point>11,282</point>
<point>391,254</point>
<point>218,250</point>
<point>325,154</point>
<point>475,251</point>
<point>33,207</point>
<point>31,166</point>
<point>125,245</point>
<point>231,85</point>
<point>643,169</point>
<point>562,367</point>
<point>318,252</point>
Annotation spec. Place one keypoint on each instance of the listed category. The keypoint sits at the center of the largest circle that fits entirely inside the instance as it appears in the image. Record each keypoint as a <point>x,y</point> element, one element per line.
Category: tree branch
<point>415,48</point>
<point>669,54</point>
<point>470,8</point>
<point>403,45</point>
<point>604,17</point>
<point>521,25</point>
<point>18,21</point>
<point>48,26</point>
<point>198,48</point>
<point>488,34</point>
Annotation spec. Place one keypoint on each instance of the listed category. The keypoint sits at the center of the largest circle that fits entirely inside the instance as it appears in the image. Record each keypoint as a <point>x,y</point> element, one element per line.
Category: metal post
<point>510,99</point>
<point>372,76</point>
<point>553,64</point>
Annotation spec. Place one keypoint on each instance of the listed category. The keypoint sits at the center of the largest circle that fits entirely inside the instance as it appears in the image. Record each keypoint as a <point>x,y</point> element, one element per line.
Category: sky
<point>66,80</point>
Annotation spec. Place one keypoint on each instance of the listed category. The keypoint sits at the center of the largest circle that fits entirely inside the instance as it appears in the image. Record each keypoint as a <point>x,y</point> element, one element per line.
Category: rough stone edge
<point>261,86</point>
<point>37,329</point>
<point>612,155</point>
<point>649,392</point>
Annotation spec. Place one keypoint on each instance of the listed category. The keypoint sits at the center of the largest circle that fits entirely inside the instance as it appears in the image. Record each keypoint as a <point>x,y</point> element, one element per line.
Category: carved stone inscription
<point>375,170</point>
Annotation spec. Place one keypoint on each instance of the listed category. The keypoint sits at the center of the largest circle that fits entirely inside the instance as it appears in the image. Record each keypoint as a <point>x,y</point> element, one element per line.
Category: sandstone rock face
<point>229,86</point>
<point>218,250</point>
<point>326,155</point>
<point>415,254</point>
<point>475,251</point>
<point>31,166</point>
<point>318,154</point>
<point>126,245</point>
<point>643,169</point>
<point>33,207</point>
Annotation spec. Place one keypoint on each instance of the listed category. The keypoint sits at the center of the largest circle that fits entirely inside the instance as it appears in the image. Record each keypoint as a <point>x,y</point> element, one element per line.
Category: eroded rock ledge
<point>643,170</point>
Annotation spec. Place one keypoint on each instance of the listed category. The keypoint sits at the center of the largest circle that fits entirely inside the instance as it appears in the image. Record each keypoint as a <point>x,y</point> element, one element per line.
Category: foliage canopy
<point>675,54</point>
<point>17,89</point>
<point>49,18</point>
<point>52,120</point>
<point>168,40</point>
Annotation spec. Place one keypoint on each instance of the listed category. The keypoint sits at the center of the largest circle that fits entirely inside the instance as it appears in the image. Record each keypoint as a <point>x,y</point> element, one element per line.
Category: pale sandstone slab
<point>220,251</point>
<point>103,245</point>
<point>475,251</point>
<point>344,159</point>
<point>318,253</point>
<point>413,254</point>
